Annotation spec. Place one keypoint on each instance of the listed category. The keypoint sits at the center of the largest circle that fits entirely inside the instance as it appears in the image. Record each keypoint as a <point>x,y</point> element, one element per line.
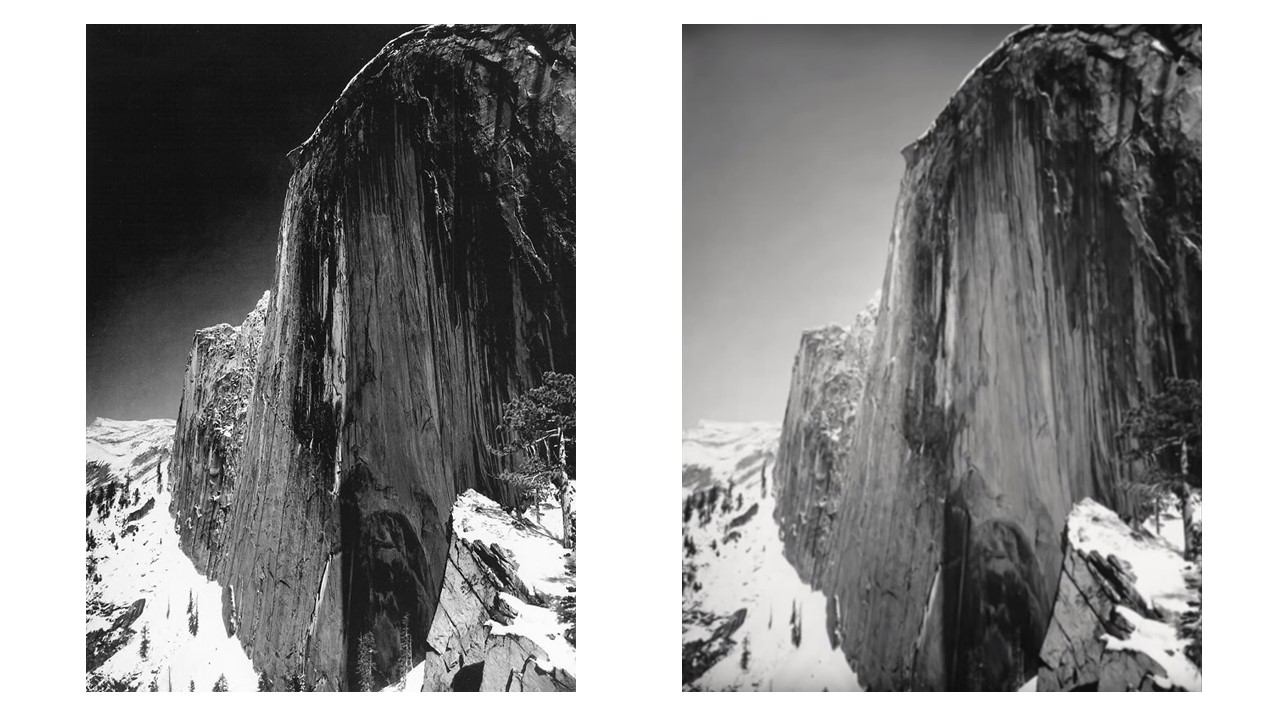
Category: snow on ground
<point>1158,568</point>
<point>131,448</point>
<point>536,547</point>
<point>1167,523</point>
<point>412,681</point>
<point>148,564</point>
<point>540,564</point>
<point>751,572</point>
<point>715,452</point>
<point>1160,642</point>
<point>540,625</point>
<point>1159,574</point>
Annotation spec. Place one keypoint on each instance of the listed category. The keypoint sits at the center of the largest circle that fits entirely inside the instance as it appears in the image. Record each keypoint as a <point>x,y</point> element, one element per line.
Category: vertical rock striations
<point>210,432</point>
<point>424,275</point>
<point>1044,275</point>
<point>826,384</point>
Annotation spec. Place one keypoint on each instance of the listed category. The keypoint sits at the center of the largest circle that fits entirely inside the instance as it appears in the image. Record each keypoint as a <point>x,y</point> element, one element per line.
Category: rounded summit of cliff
<point>1068,61</point>
<point>514,60</point>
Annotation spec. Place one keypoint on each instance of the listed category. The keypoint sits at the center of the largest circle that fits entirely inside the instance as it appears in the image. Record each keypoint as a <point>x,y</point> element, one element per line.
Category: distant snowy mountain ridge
<point>152,622</point>
<point>749,622</point>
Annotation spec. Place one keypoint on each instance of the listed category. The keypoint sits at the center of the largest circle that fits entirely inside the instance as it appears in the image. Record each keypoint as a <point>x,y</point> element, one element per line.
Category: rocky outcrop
<point>826,385</point>
<point>424,276</point>
<point>210,433</point>
<point>1044,276</point>
<point>507,607</point>
<point>700,654</point>
<point>1120,600</point>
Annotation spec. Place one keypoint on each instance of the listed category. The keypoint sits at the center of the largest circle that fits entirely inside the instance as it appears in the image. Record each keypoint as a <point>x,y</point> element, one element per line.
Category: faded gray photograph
<point>942,358</point>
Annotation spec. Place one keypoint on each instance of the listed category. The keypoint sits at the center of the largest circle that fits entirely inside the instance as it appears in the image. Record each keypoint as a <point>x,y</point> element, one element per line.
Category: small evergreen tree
<point>795,624</point>
<point>364,662</point>
<point>193,613</point>
<point>1163,434</point>
<point>221,684</point>
<point>539,430</point>
<point>146,642</point>
<point>192,688</point>
<point>155,683</point>
<point>406,651</point>
<point>264,683</point>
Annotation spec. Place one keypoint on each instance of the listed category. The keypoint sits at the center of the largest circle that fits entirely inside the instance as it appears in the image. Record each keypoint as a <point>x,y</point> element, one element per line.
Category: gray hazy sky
<point>792,159</point>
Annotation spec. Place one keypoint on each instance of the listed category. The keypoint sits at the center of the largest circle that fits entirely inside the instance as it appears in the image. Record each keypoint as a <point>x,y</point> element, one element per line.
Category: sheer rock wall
<point>1044,275</point>
<point>424,275</point>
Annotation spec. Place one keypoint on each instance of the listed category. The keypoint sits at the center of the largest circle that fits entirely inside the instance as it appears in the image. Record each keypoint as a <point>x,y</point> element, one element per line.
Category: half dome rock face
<point>424,276</point>
<point>826,385</point>
<point>1044,276</point>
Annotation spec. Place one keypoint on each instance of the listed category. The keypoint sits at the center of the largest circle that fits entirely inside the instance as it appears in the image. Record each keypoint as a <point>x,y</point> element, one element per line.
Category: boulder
<point>1122,596</point>
<point>507,607</point>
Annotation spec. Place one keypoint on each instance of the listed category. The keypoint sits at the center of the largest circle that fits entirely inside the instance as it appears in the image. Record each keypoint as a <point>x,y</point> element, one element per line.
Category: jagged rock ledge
<point>827,379</point>
<point>1121,598</point>
<point>508,612</point>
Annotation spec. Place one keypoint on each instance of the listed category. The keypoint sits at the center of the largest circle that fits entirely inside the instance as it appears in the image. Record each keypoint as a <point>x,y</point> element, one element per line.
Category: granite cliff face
<point>1044,275</point>
<point>210,434</point>
<point>424,275</point>
<point>826,385</point>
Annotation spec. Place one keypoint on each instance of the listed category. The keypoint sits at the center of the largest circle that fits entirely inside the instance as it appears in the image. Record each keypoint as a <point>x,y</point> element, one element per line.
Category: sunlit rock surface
<point>1120,600</point>
<point>1044,276</point>
<point>826,386</point>
<point>508,608</point>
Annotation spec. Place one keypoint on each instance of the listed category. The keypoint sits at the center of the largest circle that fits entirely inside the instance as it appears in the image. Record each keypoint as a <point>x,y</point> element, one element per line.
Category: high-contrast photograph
<point>331,398</point>
<point>941,358</point>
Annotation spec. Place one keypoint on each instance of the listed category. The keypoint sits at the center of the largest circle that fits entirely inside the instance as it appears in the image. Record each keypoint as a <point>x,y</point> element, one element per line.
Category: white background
<point>629,199</point>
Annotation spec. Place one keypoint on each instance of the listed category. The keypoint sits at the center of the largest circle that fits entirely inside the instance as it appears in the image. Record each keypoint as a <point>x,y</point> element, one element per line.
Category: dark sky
<point>188,128</point>
<point>792,160</point>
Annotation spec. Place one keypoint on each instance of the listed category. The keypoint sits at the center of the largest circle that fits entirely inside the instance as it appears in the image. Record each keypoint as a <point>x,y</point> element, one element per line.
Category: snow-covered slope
<point>1124,601</point>
<point>507,615</point>
<point>749,622</point>
<point>130,448</point>
<point>139,584</point>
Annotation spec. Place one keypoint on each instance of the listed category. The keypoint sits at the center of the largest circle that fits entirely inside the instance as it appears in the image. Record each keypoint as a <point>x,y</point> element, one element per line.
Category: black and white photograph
<point>331,401</point>
<point>941,358</point>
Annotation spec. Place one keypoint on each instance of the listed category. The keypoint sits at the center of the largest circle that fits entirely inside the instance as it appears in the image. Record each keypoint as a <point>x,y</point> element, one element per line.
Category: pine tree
<point>1163,433</point>
<point>795,624</point>
<point>364,662</point>
<point>193,686</point>
<point>146,642</point>
<point>539,429</point>
<point>406,652</point>
<point>193,613</point>
<point>221,684</point>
